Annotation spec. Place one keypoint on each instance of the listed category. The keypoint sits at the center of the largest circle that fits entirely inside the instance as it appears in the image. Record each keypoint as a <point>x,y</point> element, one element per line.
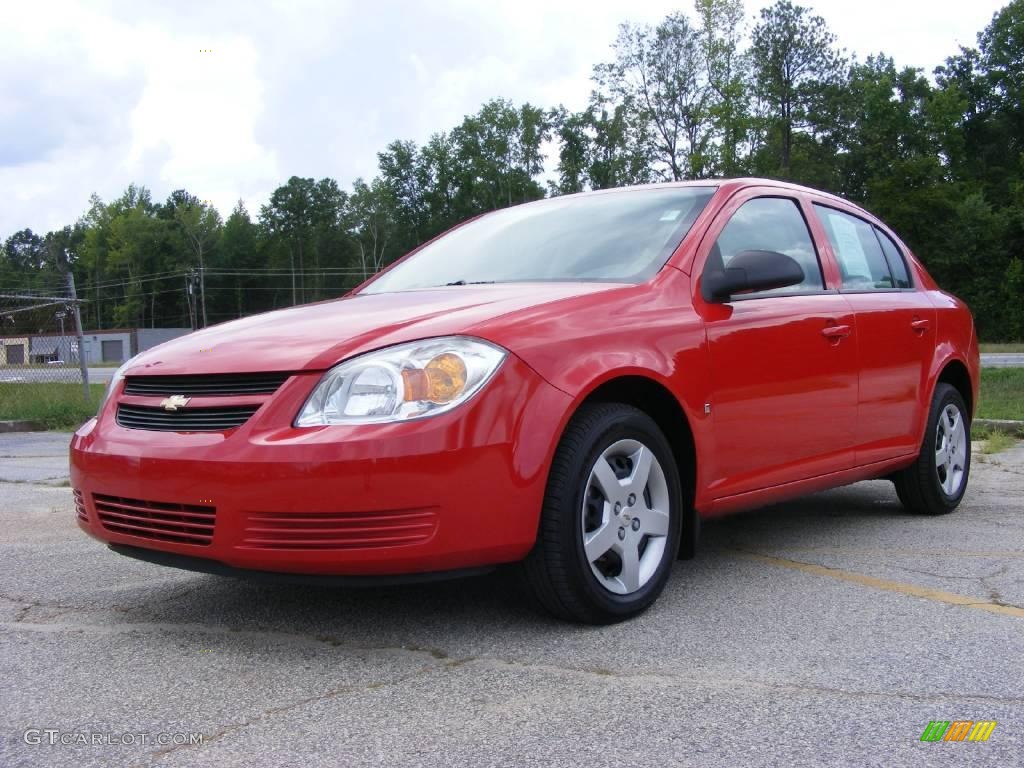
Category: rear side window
<point>861,261</point>
<point>897,263</point>
<point>769,224</point>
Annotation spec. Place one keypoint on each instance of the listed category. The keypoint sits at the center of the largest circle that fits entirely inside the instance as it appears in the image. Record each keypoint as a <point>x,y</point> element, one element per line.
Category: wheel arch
<point>654,398</point>
<point>956,374</point>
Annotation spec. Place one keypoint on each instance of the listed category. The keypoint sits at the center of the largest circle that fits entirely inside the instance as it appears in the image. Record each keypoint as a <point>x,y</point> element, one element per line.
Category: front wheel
<point>936,482</point>
<point>610,526</point>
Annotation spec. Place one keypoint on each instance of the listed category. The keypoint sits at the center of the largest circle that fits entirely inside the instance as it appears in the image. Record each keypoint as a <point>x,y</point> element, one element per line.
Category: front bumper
<point>460,490</point>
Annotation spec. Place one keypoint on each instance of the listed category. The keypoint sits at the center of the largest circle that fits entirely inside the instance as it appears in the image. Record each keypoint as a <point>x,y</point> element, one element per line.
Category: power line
<point>59,302</point>
<point>133,280</point>
<point>268,273</point>
<point>278,288</point>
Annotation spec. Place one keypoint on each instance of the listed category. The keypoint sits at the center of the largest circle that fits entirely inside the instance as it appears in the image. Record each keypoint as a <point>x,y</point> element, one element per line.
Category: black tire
<point>918,486</point>
<point>557,572</point>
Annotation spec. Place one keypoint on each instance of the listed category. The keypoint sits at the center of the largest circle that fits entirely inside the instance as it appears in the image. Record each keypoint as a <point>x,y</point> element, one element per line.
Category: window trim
<point>786,295</point>
<point>875,230</point>
<point>797,203</point>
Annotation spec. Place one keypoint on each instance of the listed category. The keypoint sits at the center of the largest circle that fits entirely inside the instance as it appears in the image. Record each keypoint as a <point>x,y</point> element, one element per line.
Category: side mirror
<point>750,271</point>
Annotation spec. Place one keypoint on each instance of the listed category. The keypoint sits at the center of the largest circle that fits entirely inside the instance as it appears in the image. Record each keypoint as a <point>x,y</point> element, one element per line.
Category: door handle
<point>836,332</point>
<point>920,326</point>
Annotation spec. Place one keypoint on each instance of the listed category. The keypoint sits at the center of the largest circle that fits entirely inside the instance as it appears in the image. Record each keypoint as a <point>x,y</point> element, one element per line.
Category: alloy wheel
<point>950,449</point>
<point>625,516</point>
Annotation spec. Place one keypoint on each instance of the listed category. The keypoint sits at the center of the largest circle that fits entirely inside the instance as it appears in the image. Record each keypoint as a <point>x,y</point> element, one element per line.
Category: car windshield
<point>622,236</point>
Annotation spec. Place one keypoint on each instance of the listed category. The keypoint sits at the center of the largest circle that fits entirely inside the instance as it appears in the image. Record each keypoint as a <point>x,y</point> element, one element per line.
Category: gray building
<point>110,346</point>
<point>147,338</point>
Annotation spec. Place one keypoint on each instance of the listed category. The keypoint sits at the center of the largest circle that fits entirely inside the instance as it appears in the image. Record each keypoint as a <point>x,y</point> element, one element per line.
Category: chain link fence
<point>39,341</point>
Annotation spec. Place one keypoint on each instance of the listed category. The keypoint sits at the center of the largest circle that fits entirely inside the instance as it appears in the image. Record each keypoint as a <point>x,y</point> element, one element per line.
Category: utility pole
<point>291,252</point>
<point>190,281</point>
<point>78,332</point>
<point>202,292</point>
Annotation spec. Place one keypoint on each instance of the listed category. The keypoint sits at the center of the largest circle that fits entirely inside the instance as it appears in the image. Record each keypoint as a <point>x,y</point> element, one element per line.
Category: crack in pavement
<point>227,730</point>
<point>995,597</point>
<point>441,659</point>
<point>1002,467</point>
<point>57,481</point>
<point>910,590</point>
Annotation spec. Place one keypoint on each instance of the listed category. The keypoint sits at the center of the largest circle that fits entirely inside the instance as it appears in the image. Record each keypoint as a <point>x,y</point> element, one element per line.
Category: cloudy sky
<point>229,99</point>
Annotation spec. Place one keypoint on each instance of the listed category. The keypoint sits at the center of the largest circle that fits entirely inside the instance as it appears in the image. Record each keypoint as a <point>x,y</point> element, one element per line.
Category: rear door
<point>895,333</point>
<point>784,364</point>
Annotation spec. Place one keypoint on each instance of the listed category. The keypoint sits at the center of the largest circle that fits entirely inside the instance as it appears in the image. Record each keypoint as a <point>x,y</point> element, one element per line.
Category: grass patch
<point>1016,346</point>
<point>58,406</point>
<point>997,442</point>
<point>1002,394</point>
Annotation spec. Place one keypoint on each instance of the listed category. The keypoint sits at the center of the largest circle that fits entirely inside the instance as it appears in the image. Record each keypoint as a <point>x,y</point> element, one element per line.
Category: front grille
<point>80,505</point>
<point>188,420</point>
<point>177,523</point>
<point>338,530</point>
<point>212,385</point>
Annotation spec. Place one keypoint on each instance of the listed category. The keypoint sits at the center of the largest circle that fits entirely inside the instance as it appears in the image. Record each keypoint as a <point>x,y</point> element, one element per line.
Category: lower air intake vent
<point>338,530</point>
<point>189,420</point>
<point>177,523</point>
<point>80,505</point>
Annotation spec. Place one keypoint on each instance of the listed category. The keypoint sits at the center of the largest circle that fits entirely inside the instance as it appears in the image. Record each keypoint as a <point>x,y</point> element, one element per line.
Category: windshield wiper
<point>470,282</point>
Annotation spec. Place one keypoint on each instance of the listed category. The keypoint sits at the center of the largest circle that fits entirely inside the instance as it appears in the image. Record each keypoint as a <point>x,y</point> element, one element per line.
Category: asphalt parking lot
<point>826,631</point>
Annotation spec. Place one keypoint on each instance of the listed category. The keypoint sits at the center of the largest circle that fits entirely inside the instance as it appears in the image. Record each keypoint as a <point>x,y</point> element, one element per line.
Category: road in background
<point>1002,360</point>
<point>825,631</point>
<point>40,375</point>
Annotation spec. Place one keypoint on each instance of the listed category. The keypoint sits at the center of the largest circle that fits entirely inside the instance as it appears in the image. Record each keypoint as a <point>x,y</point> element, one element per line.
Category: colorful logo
<point>958,730</point>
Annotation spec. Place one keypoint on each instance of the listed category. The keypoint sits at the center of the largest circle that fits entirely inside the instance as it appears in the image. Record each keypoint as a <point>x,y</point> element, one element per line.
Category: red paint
<point>806,392</point>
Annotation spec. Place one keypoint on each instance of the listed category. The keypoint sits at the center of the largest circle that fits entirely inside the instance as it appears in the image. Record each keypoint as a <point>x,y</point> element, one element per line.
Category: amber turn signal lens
<point>416,383</point>
<point>447,376</point>
<point>441,381</point>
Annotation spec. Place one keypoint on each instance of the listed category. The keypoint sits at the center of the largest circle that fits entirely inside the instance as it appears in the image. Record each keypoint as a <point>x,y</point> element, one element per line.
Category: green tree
<point>201,225</point>
<point>239,258</point>
<point>288,218</point>
<point>795,64</point>
<point>728,73</point>
<point>371,221</point>
<point>498,154</point>
<point>659,75</point>
<point>574,151</point>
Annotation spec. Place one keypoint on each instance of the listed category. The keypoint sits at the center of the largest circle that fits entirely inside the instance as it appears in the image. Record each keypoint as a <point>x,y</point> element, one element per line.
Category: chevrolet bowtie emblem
<point>174,402</point>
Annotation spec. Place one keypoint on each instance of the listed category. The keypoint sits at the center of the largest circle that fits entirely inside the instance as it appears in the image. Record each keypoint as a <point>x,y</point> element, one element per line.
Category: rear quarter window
<point>897,262</point>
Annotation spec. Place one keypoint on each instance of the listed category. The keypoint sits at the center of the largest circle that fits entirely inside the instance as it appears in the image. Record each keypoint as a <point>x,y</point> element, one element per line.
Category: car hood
<point>317,336</point>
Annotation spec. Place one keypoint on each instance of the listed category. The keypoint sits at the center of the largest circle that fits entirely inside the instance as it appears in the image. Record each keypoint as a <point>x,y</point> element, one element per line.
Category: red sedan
<point>570,385</point>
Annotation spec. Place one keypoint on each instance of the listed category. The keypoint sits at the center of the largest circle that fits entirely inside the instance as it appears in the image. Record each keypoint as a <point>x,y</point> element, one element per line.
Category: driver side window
<point>769,224</point>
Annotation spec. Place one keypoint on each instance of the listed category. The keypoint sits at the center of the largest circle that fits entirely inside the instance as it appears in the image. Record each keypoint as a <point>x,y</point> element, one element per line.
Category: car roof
<point>733,185</point>
<point>728,186</point>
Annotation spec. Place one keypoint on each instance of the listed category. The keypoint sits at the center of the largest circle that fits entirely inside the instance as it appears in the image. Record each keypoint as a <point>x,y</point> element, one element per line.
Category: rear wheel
<point>610,526</point>
<point>936,482</point>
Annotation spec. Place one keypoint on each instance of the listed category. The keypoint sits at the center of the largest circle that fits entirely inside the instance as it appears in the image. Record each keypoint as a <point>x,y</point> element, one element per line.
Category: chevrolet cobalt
<point>569,385</point>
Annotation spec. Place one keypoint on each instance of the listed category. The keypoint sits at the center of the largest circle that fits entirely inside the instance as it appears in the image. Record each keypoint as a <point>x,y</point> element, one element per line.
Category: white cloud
<point>199,110</point>
<point>94,96</point>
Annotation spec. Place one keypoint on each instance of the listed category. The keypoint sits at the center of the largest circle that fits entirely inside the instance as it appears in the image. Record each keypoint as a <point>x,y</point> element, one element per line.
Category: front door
<point>784,362</point>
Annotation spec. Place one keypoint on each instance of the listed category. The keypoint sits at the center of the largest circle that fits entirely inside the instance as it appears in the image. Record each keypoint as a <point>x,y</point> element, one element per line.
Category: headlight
<point>407,381</point>
<point>118,375</point>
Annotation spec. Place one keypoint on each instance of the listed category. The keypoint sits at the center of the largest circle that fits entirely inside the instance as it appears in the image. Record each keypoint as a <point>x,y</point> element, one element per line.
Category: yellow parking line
<point>902,588</point>
<point>952,553</point>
